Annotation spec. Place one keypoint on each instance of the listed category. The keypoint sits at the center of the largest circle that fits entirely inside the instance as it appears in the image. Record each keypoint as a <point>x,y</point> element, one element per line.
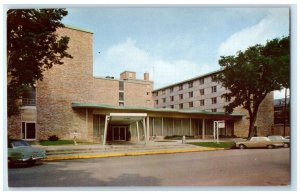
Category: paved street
<point>229,168</point>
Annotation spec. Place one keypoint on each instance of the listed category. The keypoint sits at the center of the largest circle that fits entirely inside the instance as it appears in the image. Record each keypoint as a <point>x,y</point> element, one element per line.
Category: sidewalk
<point>84,151</point>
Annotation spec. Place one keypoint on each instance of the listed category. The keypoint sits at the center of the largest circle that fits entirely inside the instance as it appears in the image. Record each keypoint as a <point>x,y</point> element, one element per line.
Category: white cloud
<point>275,24</point>
<point>128,56</point>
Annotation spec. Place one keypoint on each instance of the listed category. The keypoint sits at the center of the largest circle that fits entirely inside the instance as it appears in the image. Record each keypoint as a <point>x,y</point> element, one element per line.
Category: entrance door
<point>119,133</point>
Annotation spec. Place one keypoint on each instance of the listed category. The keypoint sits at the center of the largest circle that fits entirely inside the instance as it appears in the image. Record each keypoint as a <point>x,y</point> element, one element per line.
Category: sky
<point>174,43</point>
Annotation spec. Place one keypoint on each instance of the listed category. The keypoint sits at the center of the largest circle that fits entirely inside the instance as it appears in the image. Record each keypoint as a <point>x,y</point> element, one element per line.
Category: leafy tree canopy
<point>32,47</point>
<point>251,75</point>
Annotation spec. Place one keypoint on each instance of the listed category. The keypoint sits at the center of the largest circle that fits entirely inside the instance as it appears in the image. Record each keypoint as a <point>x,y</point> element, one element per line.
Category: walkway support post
<point>105,129</point>
<point>145,133</point>
<point>203,128</point>
<point>148,128</point>
<point>137,131</point>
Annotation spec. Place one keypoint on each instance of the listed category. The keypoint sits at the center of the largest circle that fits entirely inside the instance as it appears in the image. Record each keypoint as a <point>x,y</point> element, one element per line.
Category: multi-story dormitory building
<point>99,109</point>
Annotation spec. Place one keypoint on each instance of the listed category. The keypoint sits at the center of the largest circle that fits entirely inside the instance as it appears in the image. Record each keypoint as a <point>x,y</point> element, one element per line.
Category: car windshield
<point>19,143</point>
<point>275,137</point>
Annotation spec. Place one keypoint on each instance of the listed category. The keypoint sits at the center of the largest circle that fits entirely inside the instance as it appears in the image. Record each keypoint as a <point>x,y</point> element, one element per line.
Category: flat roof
<point>162,110</point>
<point>77,28</point>
<point>185,81</point>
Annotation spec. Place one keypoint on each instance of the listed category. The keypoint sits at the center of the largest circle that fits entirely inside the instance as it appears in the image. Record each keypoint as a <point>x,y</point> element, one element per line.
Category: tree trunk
<point>252,121</point>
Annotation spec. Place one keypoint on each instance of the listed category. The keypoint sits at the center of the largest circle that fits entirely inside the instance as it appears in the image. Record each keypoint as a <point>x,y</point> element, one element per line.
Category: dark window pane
<point>121,96</point>
<point>23,130</point>
<point>30,130</point>
<point>121,85</point>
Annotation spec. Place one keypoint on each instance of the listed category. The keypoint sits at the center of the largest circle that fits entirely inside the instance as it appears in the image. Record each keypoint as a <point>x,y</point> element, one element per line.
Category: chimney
<point>146,76</point>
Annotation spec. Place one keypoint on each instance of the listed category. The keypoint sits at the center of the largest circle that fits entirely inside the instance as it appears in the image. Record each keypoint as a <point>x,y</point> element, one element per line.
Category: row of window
<point>191,104</point>
<point>213,90</point>
<point>213,101</point>
<point>180,86</point>
<point>191,94</point>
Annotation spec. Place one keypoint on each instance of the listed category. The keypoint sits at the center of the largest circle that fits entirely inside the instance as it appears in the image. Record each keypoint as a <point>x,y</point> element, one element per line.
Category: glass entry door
<point>119,133</point>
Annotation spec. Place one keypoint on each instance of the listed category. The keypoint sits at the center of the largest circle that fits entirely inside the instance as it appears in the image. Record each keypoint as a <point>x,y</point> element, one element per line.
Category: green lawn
<point>214,145</point>
<point>56,143</point>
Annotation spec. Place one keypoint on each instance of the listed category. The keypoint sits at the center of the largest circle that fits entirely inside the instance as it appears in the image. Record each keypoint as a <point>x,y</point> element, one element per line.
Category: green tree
<point>251,75</point>
<point>32,47</point>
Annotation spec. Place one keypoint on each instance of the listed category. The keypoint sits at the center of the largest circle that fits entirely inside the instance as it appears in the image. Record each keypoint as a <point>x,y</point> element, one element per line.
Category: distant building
<point>279,109</point>
<point>203,93</point>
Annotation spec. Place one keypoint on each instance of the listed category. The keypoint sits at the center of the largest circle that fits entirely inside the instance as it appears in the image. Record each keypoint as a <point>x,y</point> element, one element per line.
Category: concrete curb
<point>136,153</point>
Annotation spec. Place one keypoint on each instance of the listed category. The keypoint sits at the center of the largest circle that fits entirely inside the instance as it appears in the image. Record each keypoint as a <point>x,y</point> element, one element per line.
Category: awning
<point>168,111</point>
<point>126,118</point>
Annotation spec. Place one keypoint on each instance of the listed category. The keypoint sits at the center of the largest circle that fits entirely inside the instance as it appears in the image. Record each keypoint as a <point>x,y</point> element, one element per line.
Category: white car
<point>258,142</point>
<point>286,142</point>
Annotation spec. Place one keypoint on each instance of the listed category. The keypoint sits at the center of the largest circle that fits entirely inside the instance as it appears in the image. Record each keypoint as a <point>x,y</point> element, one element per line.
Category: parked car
<point>286,142</point>
<point>21,151</point>
<point>258,142</point>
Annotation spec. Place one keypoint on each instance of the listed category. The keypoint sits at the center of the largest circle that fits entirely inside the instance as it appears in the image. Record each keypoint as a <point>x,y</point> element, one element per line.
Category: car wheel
<point>242,146</point>
<point>270,146</point>
<point>285,145</point>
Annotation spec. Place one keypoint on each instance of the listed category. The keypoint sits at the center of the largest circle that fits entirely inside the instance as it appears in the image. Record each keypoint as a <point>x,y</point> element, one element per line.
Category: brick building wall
<point>74,82</point>
<point>64,84</point>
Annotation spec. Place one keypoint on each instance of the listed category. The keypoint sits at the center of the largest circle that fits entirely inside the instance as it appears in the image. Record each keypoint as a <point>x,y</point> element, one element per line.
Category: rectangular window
<point>164,100</point>
<point>201,81</point>
<point>181,96</point>
<point>180,87</point>
<point>172,106</point>
<point>201,102</point>
<point>180,106</point>
<point>171,89</point>
<point>191,94</point>
<point>121,96</point>
<point>190,84</point>
<point>28,130</point>
<point>29,97</point>
<point>214,100</point>
<point>156,102</point>
<point>190,104</point>
<point>214,89</point>
<point>213,78</point>
<point>163,92</point>
<point>121,104</point>
<point>121,85</point>
<point>172,98</point>
<point>214,110</point>
<point>201,91</point>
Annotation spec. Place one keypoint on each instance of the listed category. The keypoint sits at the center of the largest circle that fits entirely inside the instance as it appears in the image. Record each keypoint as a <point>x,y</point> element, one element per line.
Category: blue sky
<point>174,43</point>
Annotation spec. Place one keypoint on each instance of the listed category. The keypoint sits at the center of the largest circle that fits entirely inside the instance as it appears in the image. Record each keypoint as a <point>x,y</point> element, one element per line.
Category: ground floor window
<point>28,130</point>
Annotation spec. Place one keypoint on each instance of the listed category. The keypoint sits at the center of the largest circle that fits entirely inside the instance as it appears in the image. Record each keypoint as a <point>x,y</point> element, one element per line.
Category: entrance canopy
<point>126,118</point>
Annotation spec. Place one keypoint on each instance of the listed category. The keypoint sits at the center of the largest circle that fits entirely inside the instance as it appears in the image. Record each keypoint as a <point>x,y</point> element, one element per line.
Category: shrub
<point>53,138</point>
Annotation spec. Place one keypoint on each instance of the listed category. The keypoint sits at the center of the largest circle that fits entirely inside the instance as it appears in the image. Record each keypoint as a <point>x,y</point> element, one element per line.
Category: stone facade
<point>264,121</point>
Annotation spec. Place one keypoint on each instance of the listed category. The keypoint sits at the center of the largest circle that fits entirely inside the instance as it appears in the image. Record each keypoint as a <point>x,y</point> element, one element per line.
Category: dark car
<point>21,151</point>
